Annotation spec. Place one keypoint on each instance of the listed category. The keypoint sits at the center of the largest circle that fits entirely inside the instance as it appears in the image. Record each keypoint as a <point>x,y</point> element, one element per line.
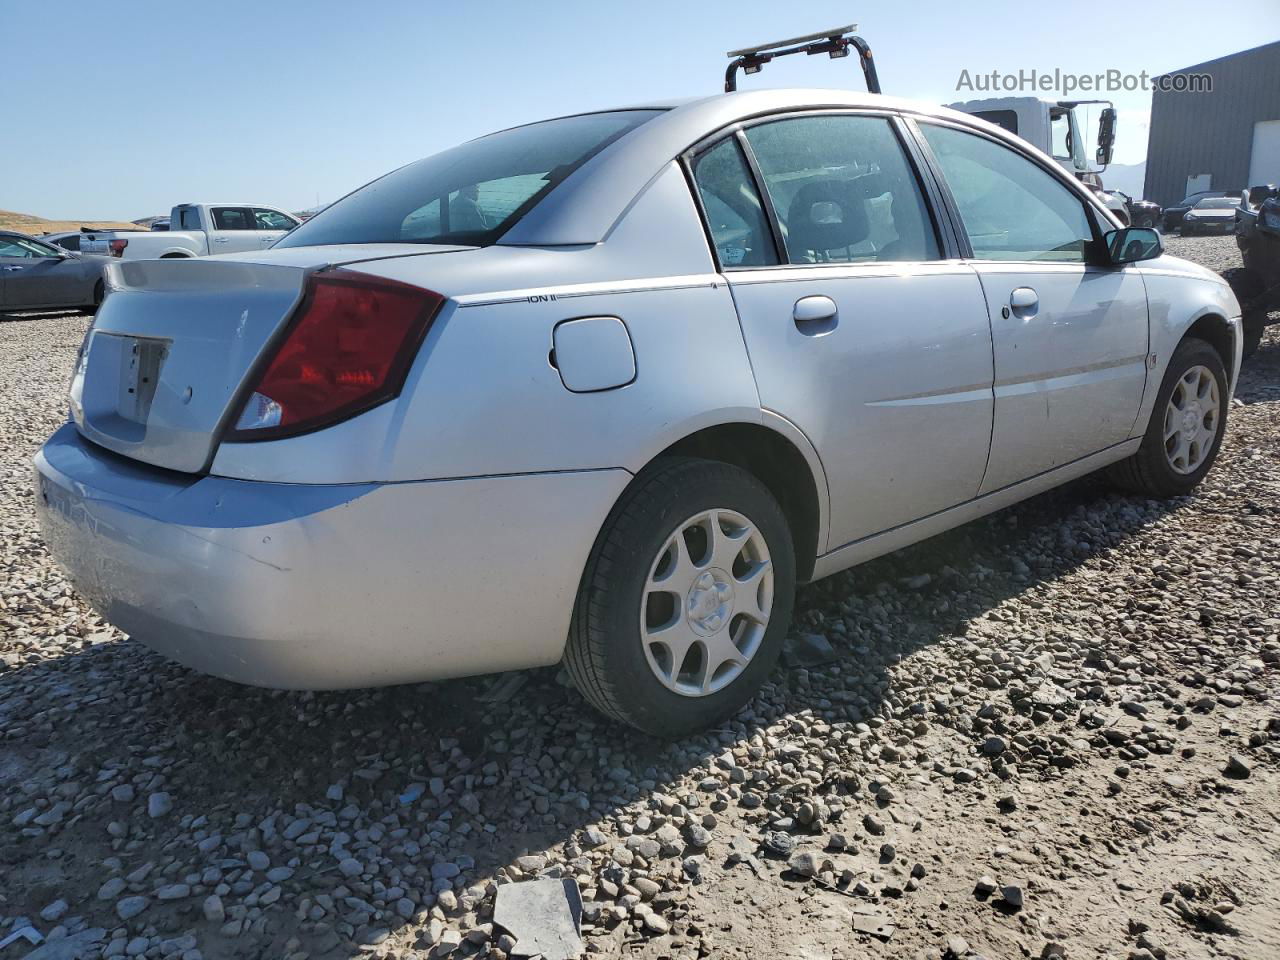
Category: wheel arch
<point>779,455</point>
<point>1217,332</point>
<point>177,255</point>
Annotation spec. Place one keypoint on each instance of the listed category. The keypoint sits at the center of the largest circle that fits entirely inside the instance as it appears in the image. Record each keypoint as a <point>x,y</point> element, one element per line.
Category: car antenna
<point>835,43</point>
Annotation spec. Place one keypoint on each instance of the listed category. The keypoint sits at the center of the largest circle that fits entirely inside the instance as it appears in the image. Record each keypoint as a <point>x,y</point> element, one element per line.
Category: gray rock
<point>351,867</point>
<point>213,910</point>
<point>444,870</point>
<point>1237,767</point>
<point>130,907</point>
<point>1012,895</point>
<point>159,804</point>
<point>808,863</point>
<point>54,911</point>
<point>985,886</point>
<point>173,891</point>
<point>111,888</point>
<point>122,792</point>
<point>258,860</point>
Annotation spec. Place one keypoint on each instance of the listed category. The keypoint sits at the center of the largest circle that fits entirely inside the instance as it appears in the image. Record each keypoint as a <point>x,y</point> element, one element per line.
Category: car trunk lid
<point>174,342</point>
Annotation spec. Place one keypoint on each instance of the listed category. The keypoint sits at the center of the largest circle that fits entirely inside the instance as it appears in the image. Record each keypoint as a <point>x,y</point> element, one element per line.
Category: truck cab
<point>232,228</point>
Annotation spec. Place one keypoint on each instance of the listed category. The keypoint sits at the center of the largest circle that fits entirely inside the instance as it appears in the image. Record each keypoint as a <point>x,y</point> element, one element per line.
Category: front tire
<point>1187,425</point>
<point>685,599</point>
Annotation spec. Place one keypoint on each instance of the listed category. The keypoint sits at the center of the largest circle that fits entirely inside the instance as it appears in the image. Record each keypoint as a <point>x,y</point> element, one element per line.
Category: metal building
<point>1226,139</point>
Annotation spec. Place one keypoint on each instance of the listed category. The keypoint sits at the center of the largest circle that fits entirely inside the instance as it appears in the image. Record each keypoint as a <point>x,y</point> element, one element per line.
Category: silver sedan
<point>603,389</point>
<point>35,275</point>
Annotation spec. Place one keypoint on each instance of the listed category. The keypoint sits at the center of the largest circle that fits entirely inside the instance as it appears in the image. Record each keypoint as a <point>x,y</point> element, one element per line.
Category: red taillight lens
<point>348,348</point>
<point>117,247</point>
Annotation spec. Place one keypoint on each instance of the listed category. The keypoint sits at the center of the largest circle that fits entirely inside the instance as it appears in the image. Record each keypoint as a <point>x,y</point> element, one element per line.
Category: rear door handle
<point>815,315</point>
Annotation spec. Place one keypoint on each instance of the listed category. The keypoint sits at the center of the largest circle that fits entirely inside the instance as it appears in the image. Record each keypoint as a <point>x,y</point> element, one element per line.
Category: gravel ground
<point>1051,732</point>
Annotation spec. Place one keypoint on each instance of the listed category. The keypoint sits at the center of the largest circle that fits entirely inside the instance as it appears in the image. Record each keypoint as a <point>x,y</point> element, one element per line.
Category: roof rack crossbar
<point>835,43</point>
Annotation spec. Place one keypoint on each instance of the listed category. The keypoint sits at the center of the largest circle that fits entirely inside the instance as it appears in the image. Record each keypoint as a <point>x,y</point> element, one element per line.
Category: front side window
<point>473,193</point>
<point>25,248</point>
<point>1012,209</point>
<point>843,190</point>
<point>735,216</point>
<point>233,218</point>
<point>266,219</point>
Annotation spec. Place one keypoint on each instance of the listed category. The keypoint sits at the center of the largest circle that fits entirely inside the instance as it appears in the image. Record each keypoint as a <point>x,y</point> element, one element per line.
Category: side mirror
<point>1106,136</point>
<point>1131,244</point>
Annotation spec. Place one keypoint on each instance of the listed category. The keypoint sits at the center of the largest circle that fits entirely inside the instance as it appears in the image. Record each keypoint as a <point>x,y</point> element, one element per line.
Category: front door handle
<point>816,315</point>
<point>220,239</point>
<point>1023,302</point>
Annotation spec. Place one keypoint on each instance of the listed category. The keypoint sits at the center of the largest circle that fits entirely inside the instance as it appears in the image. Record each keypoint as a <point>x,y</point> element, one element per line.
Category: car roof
<point>584,208</point>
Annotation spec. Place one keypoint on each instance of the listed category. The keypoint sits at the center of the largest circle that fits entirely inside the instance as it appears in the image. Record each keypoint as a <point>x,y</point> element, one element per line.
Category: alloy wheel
<point>706,603</point>
<point>1192,419</point>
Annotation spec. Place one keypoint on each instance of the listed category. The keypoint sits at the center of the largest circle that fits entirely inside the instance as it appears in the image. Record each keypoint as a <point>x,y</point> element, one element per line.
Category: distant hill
<point>33,225</point>
<point>1126,177</point>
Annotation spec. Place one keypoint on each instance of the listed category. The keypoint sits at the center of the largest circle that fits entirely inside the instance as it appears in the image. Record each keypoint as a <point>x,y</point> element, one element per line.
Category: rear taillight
<point>348,348</point>
<point>117,247</point>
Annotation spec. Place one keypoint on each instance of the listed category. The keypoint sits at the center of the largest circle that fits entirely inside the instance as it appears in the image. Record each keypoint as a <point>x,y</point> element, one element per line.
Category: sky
<point>146,104</point>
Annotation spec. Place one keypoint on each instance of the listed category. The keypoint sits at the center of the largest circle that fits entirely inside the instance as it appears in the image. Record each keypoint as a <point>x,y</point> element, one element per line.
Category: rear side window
<point>189,219</point>
<point>735,216</point>
<point>233,218</point>
<point>70,243</point>
<point>843,190</point>
<point>1011,208</point>
<point>473,193</point>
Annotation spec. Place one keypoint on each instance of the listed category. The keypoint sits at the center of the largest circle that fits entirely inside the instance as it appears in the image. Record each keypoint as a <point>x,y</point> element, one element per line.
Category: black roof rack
<point>834,42</point>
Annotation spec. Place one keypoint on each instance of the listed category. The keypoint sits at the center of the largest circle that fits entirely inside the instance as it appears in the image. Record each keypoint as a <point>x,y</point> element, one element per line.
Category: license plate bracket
<point>140,361</point>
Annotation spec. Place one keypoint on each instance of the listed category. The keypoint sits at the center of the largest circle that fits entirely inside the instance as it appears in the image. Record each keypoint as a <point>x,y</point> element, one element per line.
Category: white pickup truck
<point>197,230</point>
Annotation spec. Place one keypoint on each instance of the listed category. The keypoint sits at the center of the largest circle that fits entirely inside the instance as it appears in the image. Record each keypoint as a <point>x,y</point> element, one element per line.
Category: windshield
<point>472,193</point>
<point>1217,203</point>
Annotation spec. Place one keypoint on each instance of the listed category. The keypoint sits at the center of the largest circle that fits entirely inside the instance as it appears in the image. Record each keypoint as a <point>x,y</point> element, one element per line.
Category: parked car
<point>1211,215</point>
<point>161,225</point>
<point>1171,217</point>
<point>1256,284</point>
<point>604,388</point>
<point>203,229</point>
<point>1139,213</point>
<point>37,275</point>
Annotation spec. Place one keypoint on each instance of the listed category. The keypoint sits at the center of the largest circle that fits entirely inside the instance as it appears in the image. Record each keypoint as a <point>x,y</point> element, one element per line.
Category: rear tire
<point>1171,464</point>
<point>675,661</point>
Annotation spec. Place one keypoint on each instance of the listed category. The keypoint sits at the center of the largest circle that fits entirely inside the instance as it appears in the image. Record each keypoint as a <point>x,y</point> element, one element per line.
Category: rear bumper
<point>325,586</point>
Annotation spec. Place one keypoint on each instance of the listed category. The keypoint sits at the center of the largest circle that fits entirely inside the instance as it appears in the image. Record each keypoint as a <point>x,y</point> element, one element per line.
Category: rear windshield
<point>472,193</point>
<point>1217,203</point>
